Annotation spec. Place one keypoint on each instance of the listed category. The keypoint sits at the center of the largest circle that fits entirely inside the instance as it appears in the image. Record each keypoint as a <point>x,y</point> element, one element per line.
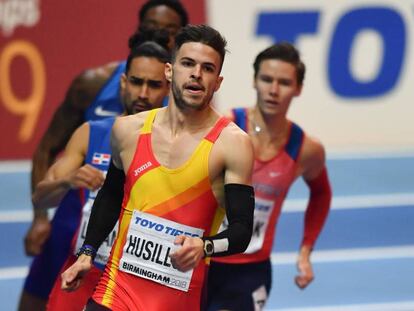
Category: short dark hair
<point>282,51</point>
<point>172,4</point>
<point>149,43</point>
<point>202,34</point>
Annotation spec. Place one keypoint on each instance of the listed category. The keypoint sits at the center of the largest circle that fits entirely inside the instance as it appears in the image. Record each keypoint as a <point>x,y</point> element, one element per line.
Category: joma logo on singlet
<point>142,168</point>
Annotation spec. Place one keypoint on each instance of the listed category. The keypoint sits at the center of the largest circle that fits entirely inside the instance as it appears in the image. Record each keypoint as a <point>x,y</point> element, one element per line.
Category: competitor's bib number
<point>104,250</point>
<point>262,211</point>
<point>149,242</point>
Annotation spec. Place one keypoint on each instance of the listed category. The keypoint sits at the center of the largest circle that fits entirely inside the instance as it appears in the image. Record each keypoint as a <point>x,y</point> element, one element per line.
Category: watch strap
<point>87,250</point>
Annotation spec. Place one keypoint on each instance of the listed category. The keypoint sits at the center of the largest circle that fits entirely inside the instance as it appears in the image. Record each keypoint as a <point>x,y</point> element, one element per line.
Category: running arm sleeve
<point>318,207</point>
<point>239,200</point>
<point>106,207</point>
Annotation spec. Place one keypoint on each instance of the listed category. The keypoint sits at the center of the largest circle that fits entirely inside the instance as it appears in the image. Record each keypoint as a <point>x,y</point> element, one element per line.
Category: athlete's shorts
<point>76,300</point>
<point>46,266</point>
<point>238,287</point>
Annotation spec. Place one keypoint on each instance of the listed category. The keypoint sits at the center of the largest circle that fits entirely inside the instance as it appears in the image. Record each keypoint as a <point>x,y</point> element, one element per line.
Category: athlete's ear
<point>299,90</point>
<point>123,81</point>
<point>218,83</point>
<point>168,72</point>
<point>255,83</point>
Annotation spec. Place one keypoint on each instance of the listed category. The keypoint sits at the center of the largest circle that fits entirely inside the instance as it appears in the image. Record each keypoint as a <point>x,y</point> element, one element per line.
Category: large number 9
<point>29,107</point>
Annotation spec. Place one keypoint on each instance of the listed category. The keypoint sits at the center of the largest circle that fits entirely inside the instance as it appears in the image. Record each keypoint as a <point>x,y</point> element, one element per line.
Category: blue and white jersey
<point>108,101</point>
<point>99,156</point>
<point>99,149</point>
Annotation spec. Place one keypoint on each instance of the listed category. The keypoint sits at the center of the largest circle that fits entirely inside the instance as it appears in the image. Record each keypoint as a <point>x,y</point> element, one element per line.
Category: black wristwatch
<point>208,248</point>
<point>87,250</point>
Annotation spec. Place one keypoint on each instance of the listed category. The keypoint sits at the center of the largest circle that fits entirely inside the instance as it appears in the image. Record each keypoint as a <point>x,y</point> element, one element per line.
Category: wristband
<point>87,250</point>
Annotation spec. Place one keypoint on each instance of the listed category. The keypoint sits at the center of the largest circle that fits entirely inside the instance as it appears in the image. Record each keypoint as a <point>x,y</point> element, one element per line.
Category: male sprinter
<point>283,152</point>
<point>168,170</point>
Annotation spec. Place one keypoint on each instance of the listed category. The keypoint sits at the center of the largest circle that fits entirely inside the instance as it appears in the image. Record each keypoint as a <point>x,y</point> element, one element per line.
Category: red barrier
<point>43,46</point>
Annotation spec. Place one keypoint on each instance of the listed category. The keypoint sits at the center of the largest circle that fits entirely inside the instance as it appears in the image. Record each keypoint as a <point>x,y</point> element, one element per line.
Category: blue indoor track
<point>363,260</point>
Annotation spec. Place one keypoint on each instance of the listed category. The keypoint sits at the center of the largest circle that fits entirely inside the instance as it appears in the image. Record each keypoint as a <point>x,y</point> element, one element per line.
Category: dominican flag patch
<point>101,158</point>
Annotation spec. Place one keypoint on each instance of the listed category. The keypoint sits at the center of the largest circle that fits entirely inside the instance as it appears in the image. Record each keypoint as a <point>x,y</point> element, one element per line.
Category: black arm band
<point>239,200</point>
<point>106,207</point>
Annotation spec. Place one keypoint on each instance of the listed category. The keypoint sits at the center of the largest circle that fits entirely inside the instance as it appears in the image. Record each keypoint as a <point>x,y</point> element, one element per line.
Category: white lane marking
<point>16,216</point>
<point>351,254</point>
<point>374,253</point>
<point>370,154</point>
<point>386,306</point>
<point>355,201</point>
<point>13,273</point>
<point>290,206</point>
<point>15,166</point>
<point>22,215</point>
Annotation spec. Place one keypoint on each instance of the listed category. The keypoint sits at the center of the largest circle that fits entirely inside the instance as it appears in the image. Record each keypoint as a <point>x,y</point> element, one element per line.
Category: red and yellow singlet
<point>159,204</point>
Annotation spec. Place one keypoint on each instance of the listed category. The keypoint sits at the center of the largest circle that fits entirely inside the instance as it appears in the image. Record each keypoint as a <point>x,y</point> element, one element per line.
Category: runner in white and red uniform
<point>283,152</point>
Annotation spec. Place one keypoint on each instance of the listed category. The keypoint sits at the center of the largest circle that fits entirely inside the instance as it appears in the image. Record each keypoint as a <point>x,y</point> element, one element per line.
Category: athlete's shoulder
<point>87,84</point>
<point>79,139</point>
<point>132,119</point>
<point>232,131</point>
<point>95,76</point>
<point>312,157</point>
<point>232,136</point>
<point>313,148</point>
<point>125,125</point>
<point>125,133</point>
<point>234,149</point>
<point>82,132</point>
<point>101,72</point>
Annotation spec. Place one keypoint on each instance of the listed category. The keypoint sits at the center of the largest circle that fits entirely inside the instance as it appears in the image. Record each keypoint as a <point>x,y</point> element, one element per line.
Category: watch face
<point>208,247</point>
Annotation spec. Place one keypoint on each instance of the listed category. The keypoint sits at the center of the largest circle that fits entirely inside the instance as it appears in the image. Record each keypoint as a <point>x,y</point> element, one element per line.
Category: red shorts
<point>61,300</point>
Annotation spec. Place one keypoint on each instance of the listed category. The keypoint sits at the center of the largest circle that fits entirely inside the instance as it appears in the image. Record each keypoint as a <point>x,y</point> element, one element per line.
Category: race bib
<point>262,211</point>
<point>149,241</point>
<point>104,250</point>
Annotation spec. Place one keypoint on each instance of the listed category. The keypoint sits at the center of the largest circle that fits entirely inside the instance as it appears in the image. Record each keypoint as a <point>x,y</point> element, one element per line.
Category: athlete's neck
<point>192,121</point>
<point>269,129</point>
